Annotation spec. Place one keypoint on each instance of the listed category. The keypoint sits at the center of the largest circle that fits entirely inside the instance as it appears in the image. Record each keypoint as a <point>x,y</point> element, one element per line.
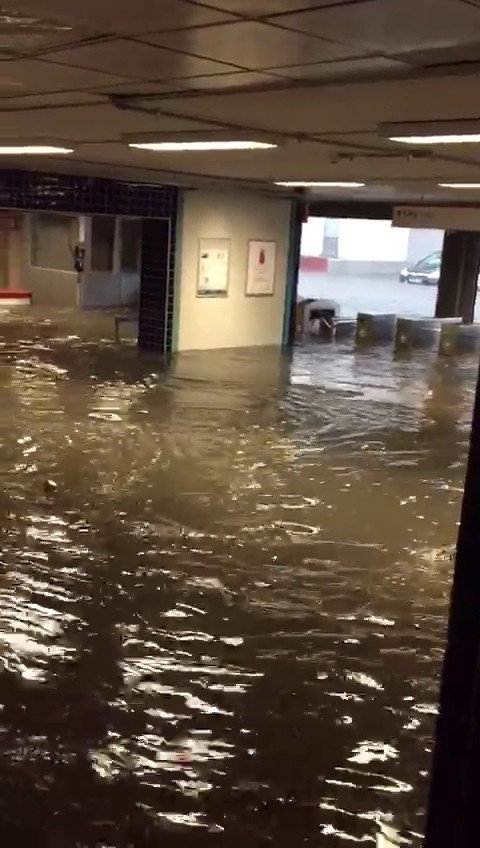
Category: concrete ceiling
<point>318,74</point>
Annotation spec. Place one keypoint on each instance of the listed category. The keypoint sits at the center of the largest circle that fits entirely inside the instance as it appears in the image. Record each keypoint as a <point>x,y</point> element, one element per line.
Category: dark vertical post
<point>468,292</point>
<point>155,283</point>
<point>296,221</point>
<point>454,806</point>
<point>457,286</point>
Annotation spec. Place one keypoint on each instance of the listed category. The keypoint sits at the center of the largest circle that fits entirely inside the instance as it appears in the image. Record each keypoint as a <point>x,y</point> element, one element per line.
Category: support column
<point>457,286</point>
<point>454,809</point>
<point>298,217</point>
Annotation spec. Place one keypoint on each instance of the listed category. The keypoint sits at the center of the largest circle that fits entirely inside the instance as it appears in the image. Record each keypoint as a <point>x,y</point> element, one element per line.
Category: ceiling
<point>318,74</point>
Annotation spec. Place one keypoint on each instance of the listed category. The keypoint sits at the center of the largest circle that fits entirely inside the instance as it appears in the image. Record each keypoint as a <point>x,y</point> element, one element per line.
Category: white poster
<point>261,267</point>
<point>213,262</point>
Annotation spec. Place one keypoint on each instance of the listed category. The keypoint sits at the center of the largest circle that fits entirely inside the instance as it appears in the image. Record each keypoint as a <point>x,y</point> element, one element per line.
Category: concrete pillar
<point>457,287</point>
<point>454,812</point>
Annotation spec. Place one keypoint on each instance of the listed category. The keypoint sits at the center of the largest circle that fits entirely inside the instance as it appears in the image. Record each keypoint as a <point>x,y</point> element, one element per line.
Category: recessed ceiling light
<point>171,146</point>
<point>459,185</point>
<point>336,184</point>
<point>450,138</point>
<point>32,149</point>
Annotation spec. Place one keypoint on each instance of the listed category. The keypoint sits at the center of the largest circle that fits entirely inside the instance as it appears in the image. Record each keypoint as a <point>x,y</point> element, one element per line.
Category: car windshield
<point>430,263</point>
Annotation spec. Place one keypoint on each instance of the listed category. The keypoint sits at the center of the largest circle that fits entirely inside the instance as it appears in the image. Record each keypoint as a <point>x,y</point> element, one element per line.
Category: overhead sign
<point>437,217</point>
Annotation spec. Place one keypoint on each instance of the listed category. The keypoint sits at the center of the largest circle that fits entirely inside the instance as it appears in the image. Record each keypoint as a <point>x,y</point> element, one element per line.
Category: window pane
<point>103,238</point>
<point>131,240</point>
<point>53,239</point>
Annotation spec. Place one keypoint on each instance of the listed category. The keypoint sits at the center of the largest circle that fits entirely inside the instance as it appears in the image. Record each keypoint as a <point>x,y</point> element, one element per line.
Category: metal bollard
<point>375,329</point>
<point>459,338</point>
<point>420,332</point>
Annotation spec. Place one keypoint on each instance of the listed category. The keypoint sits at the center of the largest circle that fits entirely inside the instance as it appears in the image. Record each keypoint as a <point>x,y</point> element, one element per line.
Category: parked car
<point>424,273</point>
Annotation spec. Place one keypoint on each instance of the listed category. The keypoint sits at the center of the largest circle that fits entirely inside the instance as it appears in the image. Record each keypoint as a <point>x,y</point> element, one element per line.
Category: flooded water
<point>222,623</point>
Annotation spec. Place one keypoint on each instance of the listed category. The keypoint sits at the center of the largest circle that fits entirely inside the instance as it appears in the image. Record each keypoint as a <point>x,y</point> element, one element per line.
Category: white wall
<point>371,240</point>
<point>235,320</point>
<point>312,237</point>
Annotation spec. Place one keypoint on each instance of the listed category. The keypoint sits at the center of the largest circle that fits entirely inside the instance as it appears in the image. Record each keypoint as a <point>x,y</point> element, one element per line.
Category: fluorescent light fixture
<point>460,185</point>
<point>32,149</point>
<point>433,132</point>
<point>453,138</point>
<point>201,141</point>
<point>171,146</point>
<point>323,184</point>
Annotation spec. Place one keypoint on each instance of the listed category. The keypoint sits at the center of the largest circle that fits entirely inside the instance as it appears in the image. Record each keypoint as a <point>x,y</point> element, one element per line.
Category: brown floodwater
<point>224,624</point>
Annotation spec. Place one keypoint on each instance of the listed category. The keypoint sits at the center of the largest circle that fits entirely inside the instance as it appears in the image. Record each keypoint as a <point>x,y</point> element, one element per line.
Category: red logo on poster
<point>261,258</point>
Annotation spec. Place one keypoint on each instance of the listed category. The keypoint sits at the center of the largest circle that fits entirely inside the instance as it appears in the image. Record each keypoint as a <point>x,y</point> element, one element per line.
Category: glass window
<point>103,240</point>
<point>430,263</point>
<point>53,239</point>
<point>131,234</point>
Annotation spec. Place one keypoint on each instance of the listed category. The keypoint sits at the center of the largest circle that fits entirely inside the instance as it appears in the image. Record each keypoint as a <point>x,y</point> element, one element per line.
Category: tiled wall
<point>156,287</point>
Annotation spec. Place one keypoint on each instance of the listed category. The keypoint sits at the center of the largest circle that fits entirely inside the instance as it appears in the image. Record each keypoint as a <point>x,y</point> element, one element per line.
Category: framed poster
<point>261,268</point>
<point>213,265</point>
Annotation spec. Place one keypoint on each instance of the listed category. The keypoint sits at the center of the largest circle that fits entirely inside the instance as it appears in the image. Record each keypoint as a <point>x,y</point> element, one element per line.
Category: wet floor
<point>224,623</point>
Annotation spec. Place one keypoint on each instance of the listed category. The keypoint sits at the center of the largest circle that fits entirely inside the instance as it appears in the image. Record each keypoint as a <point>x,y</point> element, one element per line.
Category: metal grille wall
<point>76,193</point>
<point>156,288</point>
<point>32,190</point>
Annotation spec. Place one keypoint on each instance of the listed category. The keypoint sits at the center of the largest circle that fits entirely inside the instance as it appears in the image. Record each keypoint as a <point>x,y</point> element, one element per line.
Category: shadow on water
<point>226,622</point>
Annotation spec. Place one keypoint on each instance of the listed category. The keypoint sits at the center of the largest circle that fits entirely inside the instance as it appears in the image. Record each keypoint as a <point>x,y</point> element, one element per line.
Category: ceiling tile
<point>262,8</point>
<point>70,98</point>
<point>127,17</point>
<point>396,26</point>
<point>140,87</point>
<point>253,45</point>
<point>210,82</point>
<point>89,123</point>
<point>239,79</point>
<point>456,54</point>
<point>343,69</point>
<point>135,59</point>
<point>26,34</point>
<point>32,75</point>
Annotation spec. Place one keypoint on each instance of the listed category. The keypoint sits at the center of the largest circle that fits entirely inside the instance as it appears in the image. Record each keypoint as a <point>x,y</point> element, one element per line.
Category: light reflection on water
<point>226,623</point>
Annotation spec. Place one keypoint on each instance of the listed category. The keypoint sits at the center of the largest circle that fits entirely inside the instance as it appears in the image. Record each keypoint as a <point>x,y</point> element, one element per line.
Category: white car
<point>424,273</point>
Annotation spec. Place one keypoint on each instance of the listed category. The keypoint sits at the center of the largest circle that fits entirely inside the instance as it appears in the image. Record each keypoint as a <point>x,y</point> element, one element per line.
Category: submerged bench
<point>123,319</point>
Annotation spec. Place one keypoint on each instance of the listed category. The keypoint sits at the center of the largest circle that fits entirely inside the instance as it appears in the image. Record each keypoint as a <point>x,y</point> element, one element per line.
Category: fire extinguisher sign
<point>261,268</point>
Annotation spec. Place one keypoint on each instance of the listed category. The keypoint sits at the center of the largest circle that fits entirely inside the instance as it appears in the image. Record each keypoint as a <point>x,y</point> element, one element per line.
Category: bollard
<point>344,329</point>
<point>420,332</point>
<point>459,338</point>
<point>300,310</point>
<point>375,329</point>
